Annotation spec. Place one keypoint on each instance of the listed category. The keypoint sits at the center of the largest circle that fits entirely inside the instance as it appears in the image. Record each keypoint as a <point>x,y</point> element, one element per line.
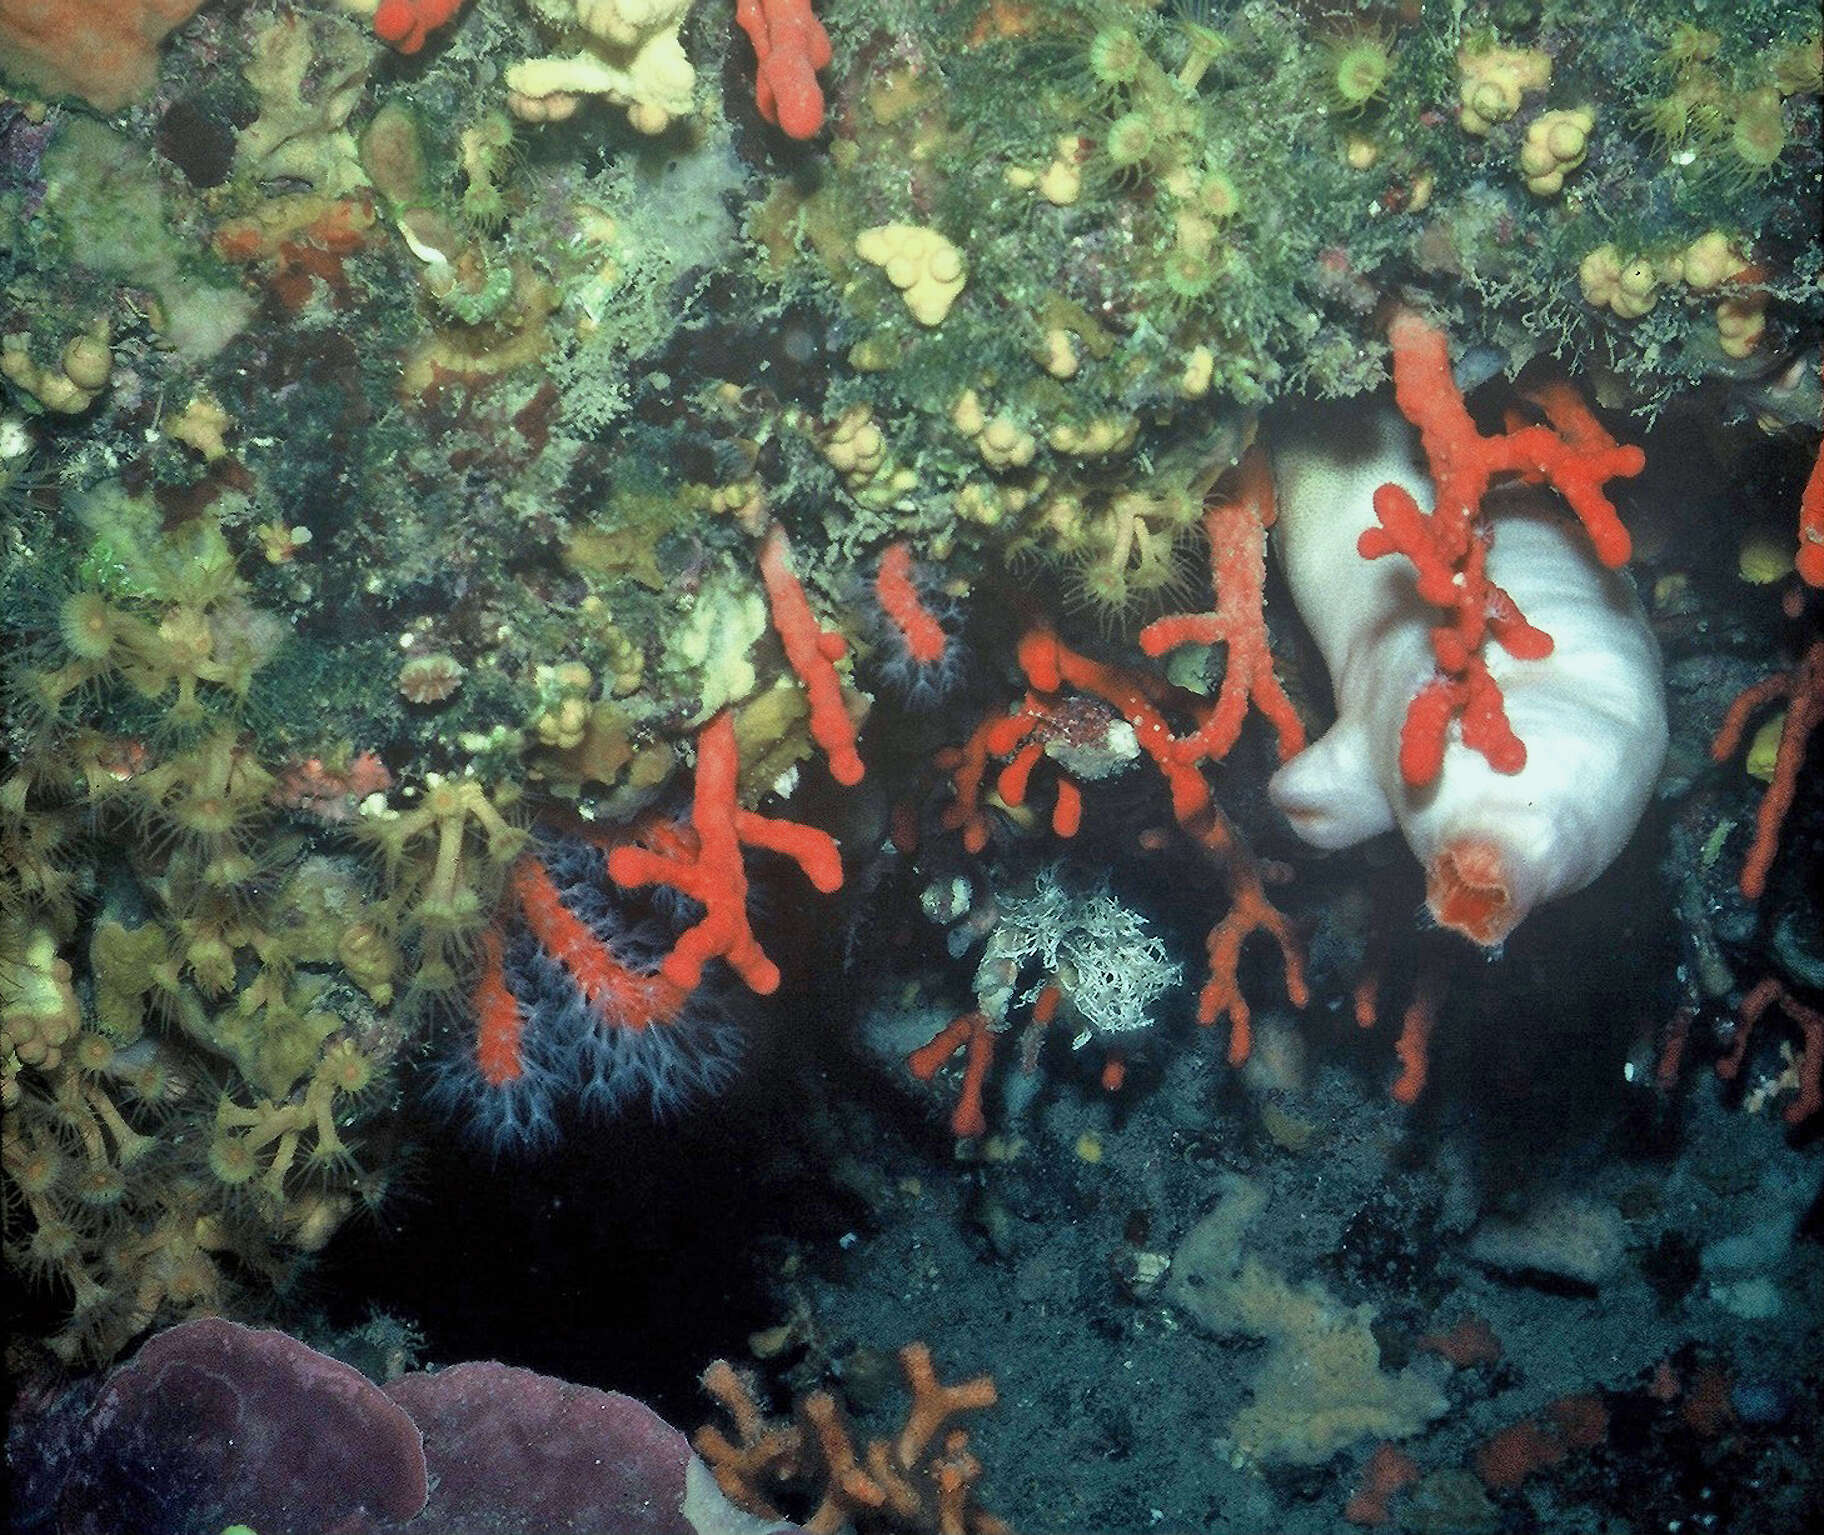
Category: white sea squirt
<point>1592,714</point>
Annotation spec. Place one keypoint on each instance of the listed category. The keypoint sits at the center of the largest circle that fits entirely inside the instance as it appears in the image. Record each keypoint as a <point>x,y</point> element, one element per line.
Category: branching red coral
<point>1803,687</point>
<point>1772,992</point>
<point>1050,663</point>
<point>1449,545</point>
<point>1039,721</point>
<point>812,652</point>
<point>1236,526</point>
<point>790,46</point>
<point>1430,989</point>
<point>500,1026</point>
<point>633,998</point>
<point>1065,705</point>
<point>920,634</point>
<point>708,866</point>
<point>407,23</point>
<point>972,1035</point>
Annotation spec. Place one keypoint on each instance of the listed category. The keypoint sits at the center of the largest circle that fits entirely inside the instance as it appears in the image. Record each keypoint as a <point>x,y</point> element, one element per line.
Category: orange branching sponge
<point>921,1482</point>
<point>1449,545</point>
<point>105,51</point>
<point>1803,688</point>
<point>1236,527</point>
<point>708,866</point>
<point>813,652</point>
<point>407,23</point>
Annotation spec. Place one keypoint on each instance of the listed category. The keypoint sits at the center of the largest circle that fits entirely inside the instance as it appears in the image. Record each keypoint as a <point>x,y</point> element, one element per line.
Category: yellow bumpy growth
<point>926,268</point>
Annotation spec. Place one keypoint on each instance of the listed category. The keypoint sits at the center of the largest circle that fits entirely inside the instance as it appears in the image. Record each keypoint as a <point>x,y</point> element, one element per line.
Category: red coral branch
<point>1448,547</point>
<point>710,870</point>
<point>972,1035</point>
<point>1046,659</point>
<point>406,24</point>
<point>1236,527</point>
<point>632,999</point>
<point>919,631</point>
<point>1810,1069</point>
<point>812,652</point>
<point>1810,558</point>
<point>1803,686</point>
<point>500,1025</point>
<point>790,46</point>
<point>1054,707</point>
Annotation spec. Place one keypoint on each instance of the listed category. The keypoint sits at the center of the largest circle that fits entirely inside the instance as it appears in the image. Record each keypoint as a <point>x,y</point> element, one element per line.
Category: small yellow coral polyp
<point>89,626</point>
<point>1629,287</point>
<point>926,268</point>
<point>209,795</point>
<point>1761,560</point>
<point>1002,441</point>
<point>243,1135</point>
<point>855,447</point>
<point>201,425</point>
<point>39,1014</point>
<point>344,1069</point>
<point>1199,373</point>
<point>563,693</point>
<point>442,880</point>
<point>371,959</point>
<point>1798,68</point>
<point>1059,357</point>
<point>1764,750</point>
<point>1556,143</point>
<point>1758,132</point>
<point>1740,323</point>
<point>1491,82</point>
<point>1061,182</point>
<point>1710,260</point>
<point>1704,265</point>
<point>1094,439</point>
<point>69,388</point>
